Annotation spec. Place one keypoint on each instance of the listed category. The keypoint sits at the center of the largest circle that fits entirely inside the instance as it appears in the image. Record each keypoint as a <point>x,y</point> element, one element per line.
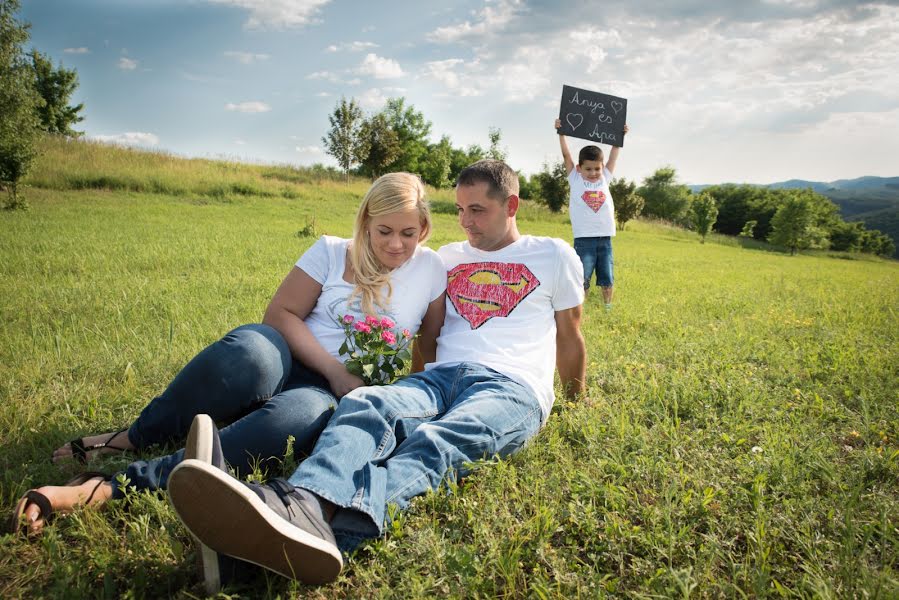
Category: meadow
<point>739,439</point>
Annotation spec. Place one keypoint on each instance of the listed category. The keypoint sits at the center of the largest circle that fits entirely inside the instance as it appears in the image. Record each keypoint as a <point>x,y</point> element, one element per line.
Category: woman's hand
<point>343,382</point>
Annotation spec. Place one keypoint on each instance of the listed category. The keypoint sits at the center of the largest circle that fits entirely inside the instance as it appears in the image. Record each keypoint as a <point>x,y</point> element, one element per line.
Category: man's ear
<point>512,205</point>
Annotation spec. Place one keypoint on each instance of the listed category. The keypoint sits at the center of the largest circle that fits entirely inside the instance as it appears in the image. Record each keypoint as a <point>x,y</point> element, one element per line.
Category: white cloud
<point>323,95</point>
<point>239,143</point>
<point>127,64</point>
<point>324,75</point>
<point>248,107</point>
<point>130,138</point>
<point>351,47</point>
<point>379,67</point>
<point>81,50</point>
<point>309,150</point>
<point>372,98</point>
<point>493,18</point>
<point>246,58</point>
<point>277,14</point>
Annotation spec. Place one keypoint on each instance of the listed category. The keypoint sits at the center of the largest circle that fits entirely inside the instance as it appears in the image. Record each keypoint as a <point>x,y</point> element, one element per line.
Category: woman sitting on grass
<point>282,377</point>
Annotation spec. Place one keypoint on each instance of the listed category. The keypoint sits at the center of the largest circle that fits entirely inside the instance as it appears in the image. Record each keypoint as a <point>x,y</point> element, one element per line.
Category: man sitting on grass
<point>513,309</point>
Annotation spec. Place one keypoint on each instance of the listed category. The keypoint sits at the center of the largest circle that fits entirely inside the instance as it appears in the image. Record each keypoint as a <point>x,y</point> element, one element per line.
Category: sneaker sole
<point>199,447</point>
<point>231,519</point>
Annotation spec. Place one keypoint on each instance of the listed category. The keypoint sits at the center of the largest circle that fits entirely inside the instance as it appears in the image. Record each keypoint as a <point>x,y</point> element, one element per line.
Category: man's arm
<point>566,154</point>
<point>571,352</point>
<point>613,154</point>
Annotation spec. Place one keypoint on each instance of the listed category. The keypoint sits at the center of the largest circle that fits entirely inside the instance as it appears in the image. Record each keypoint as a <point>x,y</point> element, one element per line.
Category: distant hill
<point>871,200</point>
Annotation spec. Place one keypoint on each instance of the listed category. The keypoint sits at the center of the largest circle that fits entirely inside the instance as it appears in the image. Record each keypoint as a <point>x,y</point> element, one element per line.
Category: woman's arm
<point>424,349</point>
<point>294,300</point>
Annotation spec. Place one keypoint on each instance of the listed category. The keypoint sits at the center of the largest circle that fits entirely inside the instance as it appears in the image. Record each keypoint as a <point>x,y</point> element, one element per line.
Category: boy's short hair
<point>589,153</point>
<point>501,180</point>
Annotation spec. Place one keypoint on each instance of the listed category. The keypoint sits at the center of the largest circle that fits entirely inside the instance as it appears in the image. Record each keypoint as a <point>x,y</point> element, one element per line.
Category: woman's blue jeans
<point>248,379</point>
<point>388,444</point>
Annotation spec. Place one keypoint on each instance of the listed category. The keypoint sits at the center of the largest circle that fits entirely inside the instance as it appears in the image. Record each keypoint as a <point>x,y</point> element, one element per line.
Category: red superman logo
<point>594,199</point>
<point>481,291</point>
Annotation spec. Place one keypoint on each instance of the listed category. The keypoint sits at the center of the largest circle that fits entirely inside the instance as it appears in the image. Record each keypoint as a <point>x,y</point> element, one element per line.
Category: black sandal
<point>14,524</point>
<point>79,450</point>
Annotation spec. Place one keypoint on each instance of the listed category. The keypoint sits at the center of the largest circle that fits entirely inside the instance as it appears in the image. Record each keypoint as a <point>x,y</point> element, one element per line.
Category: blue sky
<point>743,91</point>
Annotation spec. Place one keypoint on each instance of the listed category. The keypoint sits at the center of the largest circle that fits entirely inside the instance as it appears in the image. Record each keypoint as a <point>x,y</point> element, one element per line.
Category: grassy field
<point>740,441</point>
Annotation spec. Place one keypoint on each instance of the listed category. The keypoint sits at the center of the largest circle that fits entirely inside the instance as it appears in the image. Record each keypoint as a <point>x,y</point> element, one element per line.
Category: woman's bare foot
<point>65,499</point>
<point>106,443</point>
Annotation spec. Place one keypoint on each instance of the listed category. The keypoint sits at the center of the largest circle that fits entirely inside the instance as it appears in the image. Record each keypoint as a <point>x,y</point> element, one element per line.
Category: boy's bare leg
<point>607,294</point>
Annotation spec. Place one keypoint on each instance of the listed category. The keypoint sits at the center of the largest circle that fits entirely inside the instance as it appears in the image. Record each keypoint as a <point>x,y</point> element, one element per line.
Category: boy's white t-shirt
<point>501,305</point>
<point>590,205</point>
<point>416,283</point>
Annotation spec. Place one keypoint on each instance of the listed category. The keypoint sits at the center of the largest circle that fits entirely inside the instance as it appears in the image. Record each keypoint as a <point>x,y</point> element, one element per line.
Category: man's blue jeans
<point>248,379</point>
<point>388,444</point>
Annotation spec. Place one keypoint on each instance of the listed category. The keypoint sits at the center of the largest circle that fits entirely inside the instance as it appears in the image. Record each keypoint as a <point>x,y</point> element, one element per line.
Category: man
<point>511,299</point>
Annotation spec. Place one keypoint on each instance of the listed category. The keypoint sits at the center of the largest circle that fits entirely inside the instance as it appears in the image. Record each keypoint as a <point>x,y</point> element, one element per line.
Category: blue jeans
<point>388,444</point>
<point>596,255</point>
<point>248,379</point>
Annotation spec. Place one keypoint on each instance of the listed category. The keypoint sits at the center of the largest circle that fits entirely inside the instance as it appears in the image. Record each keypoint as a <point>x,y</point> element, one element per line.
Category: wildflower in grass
<point>376,354</point>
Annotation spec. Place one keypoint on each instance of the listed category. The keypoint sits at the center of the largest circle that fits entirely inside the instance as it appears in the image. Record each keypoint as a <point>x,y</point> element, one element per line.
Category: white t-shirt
<point>590,205</point>
<point>416,283</point>
<point>501,305</point>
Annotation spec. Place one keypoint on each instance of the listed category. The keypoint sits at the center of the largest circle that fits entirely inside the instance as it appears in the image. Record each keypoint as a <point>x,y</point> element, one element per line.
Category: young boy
<point>592,211</point>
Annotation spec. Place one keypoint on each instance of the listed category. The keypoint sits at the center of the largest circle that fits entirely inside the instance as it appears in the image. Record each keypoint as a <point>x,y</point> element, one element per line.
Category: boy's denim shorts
<point>596,255</point>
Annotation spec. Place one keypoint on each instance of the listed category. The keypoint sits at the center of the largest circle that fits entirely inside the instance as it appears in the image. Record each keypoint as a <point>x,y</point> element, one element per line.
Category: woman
<point>282,377</point>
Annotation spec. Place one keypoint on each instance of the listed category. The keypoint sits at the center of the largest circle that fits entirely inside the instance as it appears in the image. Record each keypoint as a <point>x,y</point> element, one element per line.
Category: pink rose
<point>373,321</point>
<point>348,319</point>
<point>386,323</point>
<point>388,337</point>
<point>407,334</point>
<point>362,327</point>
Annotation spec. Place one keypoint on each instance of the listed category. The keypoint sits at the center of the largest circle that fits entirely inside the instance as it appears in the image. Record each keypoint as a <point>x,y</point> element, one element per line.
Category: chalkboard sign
<point>592,116</point>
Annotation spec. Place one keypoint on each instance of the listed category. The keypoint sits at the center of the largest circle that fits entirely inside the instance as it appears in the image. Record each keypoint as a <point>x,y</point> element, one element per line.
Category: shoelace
<point>283,490</point>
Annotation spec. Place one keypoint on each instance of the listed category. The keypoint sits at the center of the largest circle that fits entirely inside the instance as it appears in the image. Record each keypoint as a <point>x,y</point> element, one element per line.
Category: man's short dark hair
<point>501,180</point>
<point>589,153</point>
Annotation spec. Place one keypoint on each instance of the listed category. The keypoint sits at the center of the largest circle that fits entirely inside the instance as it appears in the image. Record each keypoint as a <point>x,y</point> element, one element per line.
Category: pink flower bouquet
<point>377,354</point>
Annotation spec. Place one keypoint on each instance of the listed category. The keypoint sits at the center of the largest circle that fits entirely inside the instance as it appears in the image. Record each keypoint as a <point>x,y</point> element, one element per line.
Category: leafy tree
<point>876,242</point>
<point>382,142</point>
<point>664,198</point>
<point>19,123</point>
<point>628,203</point>
<point>552,183</point>
<point>793,224</point>
<point>412,130</point>
<point>343,140</point>
<point>748,228</point>
<point>495,152</point>
<point>56,86</point>
<point>525,187</point>
<point>435,168</point>
<point>704,212</point>
<point>847,237</point>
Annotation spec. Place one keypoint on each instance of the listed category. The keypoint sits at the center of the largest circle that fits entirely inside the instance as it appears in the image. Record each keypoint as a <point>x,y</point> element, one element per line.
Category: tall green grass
<point>739,439</point>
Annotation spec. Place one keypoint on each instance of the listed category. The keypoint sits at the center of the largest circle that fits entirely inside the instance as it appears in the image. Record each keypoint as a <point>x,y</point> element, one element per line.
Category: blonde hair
<point>389,194</point>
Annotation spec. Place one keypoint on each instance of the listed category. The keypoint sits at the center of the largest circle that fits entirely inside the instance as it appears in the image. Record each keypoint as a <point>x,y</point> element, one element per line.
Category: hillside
<point>739,436</point>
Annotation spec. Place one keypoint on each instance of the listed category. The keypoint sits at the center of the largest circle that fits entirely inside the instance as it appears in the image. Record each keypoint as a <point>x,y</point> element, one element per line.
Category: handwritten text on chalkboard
<point>593,116</point>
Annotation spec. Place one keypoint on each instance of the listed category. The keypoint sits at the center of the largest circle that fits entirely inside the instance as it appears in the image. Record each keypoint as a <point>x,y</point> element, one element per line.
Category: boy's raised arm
<point>566,155</point>
<point>613,154</point>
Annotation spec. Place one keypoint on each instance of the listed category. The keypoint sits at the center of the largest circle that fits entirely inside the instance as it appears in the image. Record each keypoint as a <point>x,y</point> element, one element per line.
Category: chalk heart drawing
<point>574,120</point>
<point>617,106</point>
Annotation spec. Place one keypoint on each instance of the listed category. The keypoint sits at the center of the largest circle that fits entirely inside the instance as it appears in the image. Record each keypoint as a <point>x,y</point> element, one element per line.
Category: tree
<point>382,142</point>
<point>525,187</point>
<point>703,211</point>
<point>19,102</point>
<point>665,198</point>
<point>628,203</point>
<point>435,168</point>
<point>56,86</point>
<point>412,130</point>
<point>792,225</point>
<point>748,228</point>
<point>552,183</point>
<point>495,152</point>
<point>343,140</point>
<point>459,159</point>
